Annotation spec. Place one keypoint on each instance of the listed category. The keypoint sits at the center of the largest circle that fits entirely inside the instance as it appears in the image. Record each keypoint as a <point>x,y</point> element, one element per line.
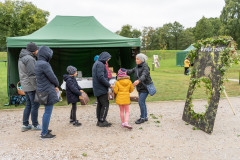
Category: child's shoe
<point>76,123</point>
<point>127,126</point>
<point>71,121</point>
<point>123,124</point>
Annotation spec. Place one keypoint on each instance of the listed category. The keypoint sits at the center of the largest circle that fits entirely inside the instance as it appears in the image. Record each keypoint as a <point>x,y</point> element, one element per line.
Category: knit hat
<point>32,47</point>
<point>71,70</point>
<point>142,57</point>
<point>122,72</point>
<point>96,58</point>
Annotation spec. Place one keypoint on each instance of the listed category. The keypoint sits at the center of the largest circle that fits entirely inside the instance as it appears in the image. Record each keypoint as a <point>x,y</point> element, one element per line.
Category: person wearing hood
<point>47,82</point>
<point>100,88</point>
<point>123,87</point>
<point>142,78</point>
<point>73,91</point>
<point>26,65</point>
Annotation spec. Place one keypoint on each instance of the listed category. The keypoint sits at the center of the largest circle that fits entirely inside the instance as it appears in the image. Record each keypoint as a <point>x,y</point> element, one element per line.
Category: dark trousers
<point>102,107</point>
<point>30,108</point>
<point>186,70</point>
<point>73,112</point>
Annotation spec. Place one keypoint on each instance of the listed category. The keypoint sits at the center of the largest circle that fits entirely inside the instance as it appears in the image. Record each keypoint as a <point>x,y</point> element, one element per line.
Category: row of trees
<point>173,36</point>
<point>19,18</point>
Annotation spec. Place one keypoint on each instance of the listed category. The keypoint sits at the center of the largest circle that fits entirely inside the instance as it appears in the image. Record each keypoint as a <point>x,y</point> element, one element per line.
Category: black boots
<point>139,121</point>
<point>76,123</point>
<point>104,124</point>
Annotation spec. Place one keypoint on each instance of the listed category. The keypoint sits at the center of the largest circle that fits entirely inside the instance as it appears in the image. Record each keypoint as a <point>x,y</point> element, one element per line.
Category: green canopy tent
<point>181,55</point>
<point>75,40</point>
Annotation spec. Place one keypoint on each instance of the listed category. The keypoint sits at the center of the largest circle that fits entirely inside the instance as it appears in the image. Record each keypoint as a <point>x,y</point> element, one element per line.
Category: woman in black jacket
<point>73,91</point>
<point>142,78</point>
<point>48,83</point>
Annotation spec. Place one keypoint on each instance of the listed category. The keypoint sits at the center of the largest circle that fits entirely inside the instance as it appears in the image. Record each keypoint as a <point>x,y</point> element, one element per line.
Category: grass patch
<point>169,80</point>
<point>3,80</point>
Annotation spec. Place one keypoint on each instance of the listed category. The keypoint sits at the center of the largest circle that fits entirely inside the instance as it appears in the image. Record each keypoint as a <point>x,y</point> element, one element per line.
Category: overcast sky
<point>113,14</point>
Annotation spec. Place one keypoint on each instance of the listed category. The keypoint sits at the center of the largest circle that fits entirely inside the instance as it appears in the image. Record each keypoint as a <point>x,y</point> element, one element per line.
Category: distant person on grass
<point>142,78</point>
<point>100,88</point>
<point>186,66</point>
<point>26,66</point>
<point>73,91</point>
<point>123,87</point>
<point>48,83</point>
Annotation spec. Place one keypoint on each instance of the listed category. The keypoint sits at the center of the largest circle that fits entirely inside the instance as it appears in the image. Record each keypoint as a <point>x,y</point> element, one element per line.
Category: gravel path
<point>169,139</point>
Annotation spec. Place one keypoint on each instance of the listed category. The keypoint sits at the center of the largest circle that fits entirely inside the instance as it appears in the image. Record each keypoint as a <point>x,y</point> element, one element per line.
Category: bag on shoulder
<point>84,99</point>
<point>41,98</point>
<point>151,89</point>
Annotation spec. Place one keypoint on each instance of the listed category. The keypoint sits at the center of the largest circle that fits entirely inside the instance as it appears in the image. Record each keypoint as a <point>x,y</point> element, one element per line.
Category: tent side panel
<point>12,71</point>
<point>128,59</point>
<point>180,57</point>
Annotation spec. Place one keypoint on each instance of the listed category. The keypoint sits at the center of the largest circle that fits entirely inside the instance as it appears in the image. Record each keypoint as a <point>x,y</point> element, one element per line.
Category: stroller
<point>17,95</point>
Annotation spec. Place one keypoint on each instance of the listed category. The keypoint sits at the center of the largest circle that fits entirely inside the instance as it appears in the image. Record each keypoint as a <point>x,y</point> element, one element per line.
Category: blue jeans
<point>142,104</point>
<point>30,108</point>
<point>46,119</point>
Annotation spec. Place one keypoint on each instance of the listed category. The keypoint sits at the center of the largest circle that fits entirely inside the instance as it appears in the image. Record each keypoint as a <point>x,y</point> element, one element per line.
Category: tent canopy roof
<point>190,48</point>
<point>74,32</point>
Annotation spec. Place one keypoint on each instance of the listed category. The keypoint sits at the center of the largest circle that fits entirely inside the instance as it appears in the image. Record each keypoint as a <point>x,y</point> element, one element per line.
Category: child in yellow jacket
<point>123,87</point>
<point>186,65</point>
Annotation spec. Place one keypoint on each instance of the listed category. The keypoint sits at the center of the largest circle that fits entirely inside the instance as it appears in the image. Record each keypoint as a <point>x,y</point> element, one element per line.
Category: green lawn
<point>171,84</point>
<point>169,80</point>
<point>3,79</point>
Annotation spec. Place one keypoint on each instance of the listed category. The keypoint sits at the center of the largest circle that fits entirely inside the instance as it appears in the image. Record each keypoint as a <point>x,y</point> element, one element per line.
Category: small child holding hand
<point>73,91</point>
<point>123,87</point>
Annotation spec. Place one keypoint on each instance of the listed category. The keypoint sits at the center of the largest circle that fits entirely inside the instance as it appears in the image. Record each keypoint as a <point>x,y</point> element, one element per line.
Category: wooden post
<point>152,65</point>
<point>229,101</point>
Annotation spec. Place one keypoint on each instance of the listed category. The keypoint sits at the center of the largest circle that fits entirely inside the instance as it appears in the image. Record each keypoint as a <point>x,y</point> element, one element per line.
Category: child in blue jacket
<point>73,91</point>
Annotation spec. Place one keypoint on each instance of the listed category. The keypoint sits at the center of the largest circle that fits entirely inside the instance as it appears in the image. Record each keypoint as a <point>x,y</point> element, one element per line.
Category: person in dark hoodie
<point>100,88</point>
<point>46,82</point>
<point>73,91</point>
<point>26,66</point>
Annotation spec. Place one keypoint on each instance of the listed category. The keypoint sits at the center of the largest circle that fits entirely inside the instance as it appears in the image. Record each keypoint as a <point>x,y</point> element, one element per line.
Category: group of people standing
<point>38,76</point>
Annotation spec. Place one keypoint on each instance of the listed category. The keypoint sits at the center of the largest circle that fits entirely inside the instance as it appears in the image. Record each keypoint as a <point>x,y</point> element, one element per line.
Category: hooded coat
<point>72,89</point>
<point>123,87</point>
<point>26,69</point>
<point>142,73</point>
<point>100,75</point>
<point>46,79</point>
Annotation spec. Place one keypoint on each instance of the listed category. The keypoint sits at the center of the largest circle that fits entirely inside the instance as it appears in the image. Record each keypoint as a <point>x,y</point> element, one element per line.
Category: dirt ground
<point>167,140</point>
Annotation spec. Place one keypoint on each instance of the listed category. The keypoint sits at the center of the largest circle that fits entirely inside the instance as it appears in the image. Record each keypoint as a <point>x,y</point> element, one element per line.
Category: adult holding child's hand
<point>142,78</point>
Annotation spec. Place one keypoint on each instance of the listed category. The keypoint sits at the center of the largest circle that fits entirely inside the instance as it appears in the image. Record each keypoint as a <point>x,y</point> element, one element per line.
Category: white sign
<point>157,65</point>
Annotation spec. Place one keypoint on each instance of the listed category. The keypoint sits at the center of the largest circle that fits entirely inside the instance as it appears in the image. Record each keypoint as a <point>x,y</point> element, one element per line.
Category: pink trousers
<point>124,108</point>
